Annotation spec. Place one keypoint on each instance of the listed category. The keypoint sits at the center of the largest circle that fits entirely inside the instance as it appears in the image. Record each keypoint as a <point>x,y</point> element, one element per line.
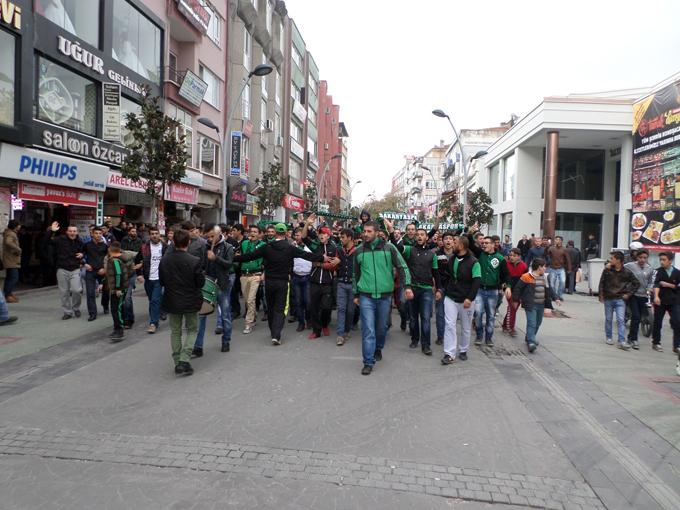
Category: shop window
<point>7,61</point>
<point>509,171</point>
<point>75,16</point>
<point>580,174</point>
<point>209,156</point>
<point>66,99</point>
<point>127,106</point>
<point>136,41</point>
<point>212,93</point>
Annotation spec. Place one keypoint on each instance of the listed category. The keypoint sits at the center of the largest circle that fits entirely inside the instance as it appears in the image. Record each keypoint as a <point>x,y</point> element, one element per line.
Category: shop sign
<point>56,194</point>
<point>44,167</point>
<point>116,180</point>
<point>181,193</point>
<point>235,153</point>
<point>238,197</point>
<point>299,111</point>
<point>195,13</point>
<point>111,128</point>
<point>293,203</point>
<point>193,88</point>
<point>297,149</point>
<point>77,144</point>
<point>126,197</point>
<point>192,178</point>
<point>17,203</point>
<point>10,14</point>
<point>252,203</point>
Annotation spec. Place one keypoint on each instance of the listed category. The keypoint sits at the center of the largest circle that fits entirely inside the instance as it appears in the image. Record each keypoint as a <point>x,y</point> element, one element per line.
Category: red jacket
<point>515,272</point>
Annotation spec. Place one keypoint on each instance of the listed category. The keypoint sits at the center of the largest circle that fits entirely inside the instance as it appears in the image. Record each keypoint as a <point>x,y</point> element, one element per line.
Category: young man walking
<point>300,283</point>
<point>251,275</point>
<point>150,255</point>
<point>666,300</point>
<point>462,285</point>
<point>443,255</point>
<point>11,259</point>
<point>560,265</point>
<point>94,254</point>
<point>373,283</point>
<point>69,257</point>
<point>131,243</point>
<point>344,292</point>
<point>516,268</point>
<point>638,301</point>
<point>182,278</point>
<point>278,256</point>
<point>532,291</point>
<point>118,279</point>
<point>617,285</point>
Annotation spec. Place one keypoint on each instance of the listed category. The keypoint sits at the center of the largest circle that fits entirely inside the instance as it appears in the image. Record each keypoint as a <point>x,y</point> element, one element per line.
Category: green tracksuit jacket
<point>374,266</point>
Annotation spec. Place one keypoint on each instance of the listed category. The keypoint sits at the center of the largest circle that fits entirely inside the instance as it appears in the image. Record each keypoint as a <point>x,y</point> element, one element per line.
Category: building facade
<point>332,177</point>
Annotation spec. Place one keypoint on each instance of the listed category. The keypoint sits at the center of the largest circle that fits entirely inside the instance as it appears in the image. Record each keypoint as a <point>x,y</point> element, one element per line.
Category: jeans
<point>345,308</point>
<point>421,312</point>
<point>374,312</point>
<point>129,313</point>
<point>617,306</point>
<point>4,312</point>
<point>11,280</point>
<point>224,305</point>
<point>440,319</point>
<point>70,290</point>
<point>181,351</point>
<point>154,292</point>
<point>659,314</point>
<point>557,279</point>
<point>453,312</point>
<point>301,293</point>
<point>91,284</point>
<point>485,302</point>
<point>200,334</point>
<point>638,306</point>
<point>534,320</point>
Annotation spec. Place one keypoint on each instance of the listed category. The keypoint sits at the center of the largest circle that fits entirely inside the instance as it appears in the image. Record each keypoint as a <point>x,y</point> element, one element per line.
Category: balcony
<point>172,82</point>
<point>261,33</point>
<point>247,12</point>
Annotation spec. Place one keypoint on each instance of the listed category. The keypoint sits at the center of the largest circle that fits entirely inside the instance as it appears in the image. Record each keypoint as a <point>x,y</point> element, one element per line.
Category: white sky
<point>390,63</point>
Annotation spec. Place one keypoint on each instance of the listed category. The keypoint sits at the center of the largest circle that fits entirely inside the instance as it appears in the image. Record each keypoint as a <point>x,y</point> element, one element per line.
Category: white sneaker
<point>624,346</point>
<point>609,341</point>
<point>276,342</point>
<point>247,330</point>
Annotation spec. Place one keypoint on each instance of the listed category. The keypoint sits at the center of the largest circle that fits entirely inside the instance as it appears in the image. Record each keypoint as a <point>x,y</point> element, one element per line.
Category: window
<point>277,125</point>
<point>297,58</point>
<point>185,129</point>
<point>7,61</point>
<point>263,113</point>
<point>172,68</point>
<point>311,115</point>
<point>281,38</point>
<point>313,85</point>
<point>509,172</point>
<point>212,93</point>
<point>136,41</point>
<point>430,185</point>
<point>75,16</point>
<point>209,156</point>
<point>263,79</point>
<point>66,99</point>
<point>268,14</point>
<point>493,183</point>
<point>295,132</point>
<point>296,93</point>
<point>295,169</point>
<point>311,145</point>
<point>506,224</point>
<point>580,174</point>
<point>263,159</point>
<point>278,88</point>
<point>254,2</point>
<point>214,26</point>
<point>246,101</point>
<point>247,49</point>
<point>127,106</point>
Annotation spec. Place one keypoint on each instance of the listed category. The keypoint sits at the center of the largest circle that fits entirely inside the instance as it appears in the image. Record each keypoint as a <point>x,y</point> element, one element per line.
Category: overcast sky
<point>390,63</point>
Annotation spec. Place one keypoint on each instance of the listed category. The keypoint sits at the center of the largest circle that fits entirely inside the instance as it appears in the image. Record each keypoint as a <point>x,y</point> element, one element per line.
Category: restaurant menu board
<point>656,170</point>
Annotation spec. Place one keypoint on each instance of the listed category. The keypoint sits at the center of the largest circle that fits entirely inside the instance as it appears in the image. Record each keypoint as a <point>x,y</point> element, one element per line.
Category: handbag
<point>579,275</point>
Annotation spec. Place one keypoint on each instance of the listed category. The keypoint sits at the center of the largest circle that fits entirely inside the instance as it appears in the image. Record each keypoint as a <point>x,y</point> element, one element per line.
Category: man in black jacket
<point>666,299</point>
<point>149,256</point>
<point>465,276</point>
<point>181,275</point>
<point>94,254</point>
<point>444,255</point>
<point>278,258</point>
<point>69,258</point>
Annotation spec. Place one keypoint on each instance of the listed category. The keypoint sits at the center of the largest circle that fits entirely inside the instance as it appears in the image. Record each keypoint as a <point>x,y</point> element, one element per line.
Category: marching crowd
<point>302,272</point>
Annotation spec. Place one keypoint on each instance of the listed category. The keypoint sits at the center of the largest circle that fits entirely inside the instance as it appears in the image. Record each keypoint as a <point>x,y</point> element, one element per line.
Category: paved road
<point>88,424</point>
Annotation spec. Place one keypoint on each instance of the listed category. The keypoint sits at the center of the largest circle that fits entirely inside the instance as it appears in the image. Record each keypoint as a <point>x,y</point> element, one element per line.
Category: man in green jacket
<point>373,284</point>
<point>251,275</point>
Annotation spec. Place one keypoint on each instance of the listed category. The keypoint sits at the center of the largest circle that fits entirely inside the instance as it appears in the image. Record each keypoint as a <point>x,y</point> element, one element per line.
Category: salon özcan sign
<point>86,58</point>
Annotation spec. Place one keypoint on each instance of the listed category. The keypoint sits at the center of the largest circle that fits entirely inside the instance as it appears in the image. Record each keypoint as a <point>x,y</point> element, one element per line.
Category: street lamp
<point>351,189</point>
<point>259,70</point>
<point>466,166</point>
<point>322,183</point>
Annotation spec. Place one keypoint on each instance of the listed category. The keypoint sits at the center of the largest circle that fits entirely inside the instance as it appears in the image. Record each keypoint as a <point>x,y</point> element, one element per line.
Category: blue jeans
<point>128,309</point>
<point>345,308</point>
<point>301,293</point>
<point>374,314</point>
<point>534,320</point>
<point>4,312</point>
<point>200,334</point>
<point>557,279</point>
<point>91,284</point>
<point>421,312</point>
<point>224,304</point>
<point>441,318</point>
<point>154,292</point>
<point>485,303</point>
<point>618,307</point>
<point>11,279</point>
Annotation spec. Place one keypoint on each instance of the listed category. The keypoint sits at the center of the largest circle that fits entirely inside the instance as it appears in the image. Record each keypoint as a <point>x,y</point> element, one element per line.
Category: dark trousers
<point>571,282</point>
<point>11,279</point>
<point>117,305</point>
<point>235,294</point>
<point>638,306</point>
<point>320,305</point>
<point>659,314</point>
<point>106,295</point>
<point>91,284</point>
<point>276,294</point>
<point>421,313</point>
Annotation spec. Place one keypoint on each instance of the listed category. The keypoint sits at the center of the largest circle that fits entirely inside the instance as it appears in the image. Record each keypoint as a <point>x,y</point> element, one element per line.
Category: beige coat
<point>11,252</point>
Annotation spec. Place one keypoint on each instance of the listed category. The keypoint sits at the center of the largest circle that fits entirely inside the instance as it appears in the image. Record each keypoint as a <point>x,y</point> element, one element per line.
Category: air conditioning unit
<point>326,146</point>
<point>269,125</point>
<point>279,141</point>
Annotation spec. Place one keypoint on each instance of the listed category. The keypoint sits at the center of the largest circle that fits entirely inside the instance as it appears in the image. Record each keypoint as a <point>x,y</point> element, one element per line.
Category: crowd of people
<point>301,272</point>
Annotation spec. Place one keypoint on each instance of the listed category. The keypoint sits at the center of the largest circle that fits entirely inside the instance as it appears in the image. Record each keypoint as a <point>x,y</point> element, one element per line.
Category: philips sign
<point>47,168</point>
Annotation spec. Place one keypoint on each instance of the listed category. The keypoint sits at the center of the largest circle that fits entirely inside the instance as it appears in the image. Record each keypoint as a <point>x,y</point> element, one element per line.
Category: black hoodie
<point>278,258</point>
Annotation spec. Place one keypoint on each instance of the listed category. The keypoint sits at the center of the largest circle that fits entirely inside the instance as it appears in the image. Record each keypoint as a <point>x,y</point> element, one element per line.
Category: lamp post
<point>260,70</point>
<point>322,183</point>
<point>351,189</point>
<point>466,163</point>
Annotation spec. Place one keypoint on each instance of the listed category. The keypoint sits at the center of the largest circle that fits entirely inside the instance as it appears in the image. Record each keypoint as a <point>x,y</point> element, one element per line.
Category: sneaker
<point>106,310</point>
<point>276,341</point>
<point>347,336</point>
<point>531,347</point>
<point>300,328</point>
<point>225,347</point>
<point>326,331</point>
<point>197,352</point>
<point>513,333</point>
<point>12,299</point>
<point>439,341</point>
<point>9,320</point>
<point>427,351</point>
<point>264,318</point>
<point>609,341</point>
<point>164,316</point>
<point>313,336</point>
<point>183,368</point>
<point>478,341</point>
<point>340,340</point>
<point>413,344</point>
<point>676,350</point>
<point>378,355</point>
<point>462,356</point>
<point>635,345</point>
<point>218,331</point>
<point>77,314</point>
<point>657,347</point>
<point>151,329</point>
<point>488,342</point>
<point>92,318</point>
<point>366,370</point>
<point>247,330</point>
<point>117,336</point>
<point>624,346</point>
<point>128,325</point>
<point>66,317</point>
<point>447,360</point>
